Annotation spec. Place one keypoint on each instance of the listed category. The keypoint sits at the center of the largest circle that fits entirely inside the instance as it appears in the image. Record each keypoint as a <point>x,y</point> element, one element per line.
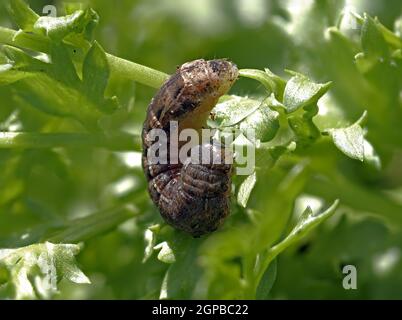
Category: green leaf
<point>57,28</point>
<point>307,221</point>
<point>234,109</point>
<point>34,271</point>
<point>264,122</point>
<point>22,14</point>
<point>245,189</point>
<point>303,126</point>
<point>56,88</point>
<point>150,240</point>
<point>95,73</point>
<point>300,91</point>
<point>9,76</point>
<point>166,253</point>
<point>228,256</point>
<point>373,42</point>
<point>266,157</point>
<point>250,114</point>
<point>267,281</point>
<point>350,140</point>
<point>71,7</point>
<point>51,88</point>
<point>182,276</point>
<point>19,66</point>
<point>95,77</point>
<point>62,67</point>
<point>272,82</point>
<point>23,61</point>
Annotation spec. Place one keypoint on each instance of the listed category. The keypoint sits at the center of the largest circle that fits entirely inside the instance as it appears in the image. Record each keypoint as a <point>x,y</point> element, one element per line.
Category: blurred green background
<point>41,189</point>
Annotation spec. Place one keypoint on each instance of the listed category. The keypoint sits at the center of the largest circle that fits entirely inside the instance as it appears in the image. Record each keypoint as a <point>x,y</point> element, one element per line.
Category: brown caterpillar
<point>191,197</point>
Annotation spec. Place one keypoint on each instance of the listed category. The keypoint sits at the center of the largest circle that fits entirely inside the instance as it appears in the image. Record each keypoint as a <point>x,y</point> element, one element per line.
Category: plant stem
<point>123,68</point>
<point>136,72</point>
<point>115,142</point>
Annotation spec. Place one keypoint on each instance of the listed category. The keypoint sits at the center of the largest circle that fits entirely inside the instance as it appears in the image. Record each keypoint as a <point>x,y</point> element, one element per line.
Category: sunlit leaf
<point>34,271</point>
<point>166,254</point>
<point>245,189</point>
<point>233,110</point>
<point>350,140</point>
<point>300,91</point>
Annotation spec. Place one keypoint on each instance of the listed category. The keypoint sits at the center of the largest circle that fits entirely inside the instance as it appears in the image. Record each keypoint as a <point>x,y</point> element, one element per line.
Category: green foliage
<point>71,117</point>
<point>34,271</point>
<point>350,140</point>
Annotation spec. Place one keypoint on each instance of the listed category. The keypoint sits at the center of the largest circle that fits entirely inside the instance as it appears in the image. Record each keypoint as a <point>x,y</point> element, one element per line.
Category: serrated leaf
<point>93,21</point>
<point>62,67</point>
<point>51,90</point>
<point>373,42</point>
<point>95,77</point>
<point>95,72</point>
<point>58,28</point>
<point>300,91</point>
<point>245,189</point>
<point>250,114</point>
<point>55,87</point>
<point>34,271</point>
<point>350,140</point>
<point>264,122</point>
<point>233,110</point>
<point>22,14</point>
<point>303,126</point>
<point>166,253</point>
<point>307,221</point>
<point>65,262</point>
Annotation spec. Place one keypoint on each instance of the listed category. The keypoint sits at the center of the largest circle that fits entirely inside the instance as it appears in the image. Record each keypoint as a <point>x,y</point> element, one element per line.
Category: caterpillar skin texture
<point>193,198</point>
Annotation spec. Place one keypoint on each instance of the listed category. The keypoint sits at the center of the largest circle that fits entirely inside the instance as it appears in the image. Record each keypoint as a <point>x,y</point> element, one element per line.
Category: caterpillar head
<point>212,77</point>
<point>203,83</point>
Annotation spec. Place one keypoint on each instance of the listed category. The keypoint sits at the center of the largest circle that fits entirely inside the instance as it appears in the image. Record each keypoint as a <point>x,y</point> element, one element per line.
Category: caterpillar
<point>191,197</point>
